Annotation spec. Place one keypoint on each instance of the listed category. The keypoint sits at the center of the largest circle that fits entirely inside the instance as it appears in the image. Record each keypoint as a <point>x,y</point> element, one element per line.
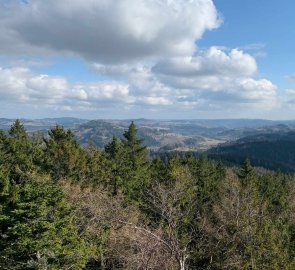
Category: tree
<point>17,131</point>
<point>98,169</point>
<point>159,171</point>
<point>120,166</point>
<point>247,174</point>
<point>36,228</point>
<point>137,176</point>
<point>174,206</point>
<point>17,152</point>
<point>246,235</point>
<point>64,158</point>
<point>104,220</point>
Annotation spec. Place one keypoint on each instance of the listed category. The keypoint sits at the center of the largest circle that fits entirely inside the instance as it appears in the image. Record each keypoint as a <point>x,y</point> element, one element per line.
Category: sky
<point>160,59</point>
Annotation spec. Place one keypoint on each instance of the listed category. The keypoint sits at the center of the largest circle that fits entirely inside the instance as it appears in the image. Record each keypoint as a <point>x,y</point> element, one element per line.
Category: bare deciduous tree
<point>244,233</point>
<point>120,233</point>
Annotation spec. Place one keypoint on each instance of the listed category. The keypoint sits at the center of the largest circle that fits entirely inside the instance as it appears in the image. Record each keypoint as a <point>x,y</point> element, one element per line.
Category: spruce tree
<point>119,165</point>
<point>137,176</point>
<point>64,158</point>
<point>247,173</point>
<point>159,171</point>
<point>36,227</point>
<point>17,152</point>
<point>98,168</point>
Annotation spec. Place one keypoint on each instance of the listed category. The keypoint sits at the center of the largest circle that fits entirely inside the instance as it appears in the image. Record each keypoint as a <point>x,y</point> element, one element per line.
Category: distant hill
<point>274,150</point>
<point>32,125</point>
<point>176,135</point>
<point>157,136</point>
<point>161,135</point>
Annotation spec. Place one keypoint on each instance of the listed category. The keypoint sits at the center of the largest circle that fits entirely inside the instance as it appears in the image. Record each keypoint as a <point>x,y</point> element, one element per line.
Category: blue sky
<point>153,59</point>
<point>268,23</point>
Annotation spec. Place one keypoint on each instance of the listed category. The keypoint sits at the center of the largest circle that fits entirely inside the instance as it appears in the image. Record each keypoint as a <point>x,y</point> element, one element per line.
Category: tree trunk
<point>182,262</point>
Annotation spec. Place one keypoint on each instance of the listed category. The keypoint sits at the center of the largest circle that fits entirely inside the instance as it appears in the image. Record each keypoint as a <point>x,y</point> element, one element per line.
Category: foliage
<point>67,206</point>
<point>63,155</point>
<point>37,231</point>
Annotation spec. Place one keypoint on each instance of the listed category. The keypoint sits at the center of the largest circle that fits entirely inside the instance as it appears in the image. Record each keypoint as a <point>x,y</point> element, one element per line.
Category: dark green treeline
<point>64,206</point>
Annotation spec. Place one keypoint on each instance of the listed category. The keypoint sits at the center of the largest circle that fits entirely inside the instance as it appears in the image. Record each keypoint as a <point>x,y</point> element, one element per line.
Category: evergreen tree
<point>3,148</point>
<point>17,131</point>
<point>207,176</point>
<point>137,152</point>
<point>137,177</point>
<point>247,174</point>
<point>98,168</point>
<point>36,228</point>
<point>159,171</point>
<point>17,152</point>
<point>119,165</point>
<point>64,158</point>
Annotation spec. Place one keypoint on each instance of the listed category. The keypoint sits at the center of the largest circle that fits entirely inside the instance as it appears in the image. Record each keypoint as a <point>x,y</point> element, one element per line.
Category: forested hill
<point>160,135</point>
<point>274,151</point>
<point>269,144</point>
<point>64,206</point>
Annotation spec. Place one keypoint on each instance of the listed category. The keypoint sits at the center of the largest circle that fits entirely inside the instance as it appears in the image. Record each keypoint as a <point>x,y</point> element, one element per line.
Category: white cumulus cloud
<point>107,30</point>
<point>21,86</point>
<point>211,62</point>
<point>146,51</point>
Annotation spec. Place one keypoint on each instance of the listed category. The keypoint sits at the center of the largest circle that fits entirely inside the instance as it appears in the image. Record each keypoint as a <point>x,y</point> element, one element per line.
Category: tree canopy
<point>68,206</point>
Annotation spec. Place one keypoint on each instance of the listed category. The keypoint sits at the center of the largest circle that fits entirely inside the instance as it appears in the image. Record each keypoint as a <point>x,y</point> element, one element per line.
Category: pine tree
<point>36,227</point>
<point>137,176</point>
<point>64,158</point>
<point>207,176</point>
<point>119,165</point>
<point>17,152</point>
<point>137,152</point>
<point>159,171</point>
<point>98,168</point>
<point>247,173</point>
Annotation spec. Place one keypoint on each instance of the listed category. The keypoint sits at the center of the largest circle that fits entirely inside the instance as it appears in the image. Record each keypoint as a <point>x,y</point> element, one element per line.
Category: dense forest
<point>274,151</point>
<point>64,206</point>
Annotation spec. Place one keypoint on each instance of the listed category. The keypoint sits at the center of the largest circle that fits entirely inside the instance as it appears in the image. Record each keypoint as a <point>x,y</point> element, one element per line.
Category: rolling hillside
<point>271,150</point>
<point>164,135</point>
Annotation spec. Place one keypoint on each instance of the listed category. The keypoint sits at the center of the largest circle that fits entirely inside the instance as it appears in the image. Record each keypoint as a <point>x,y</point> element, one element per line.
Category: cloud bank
<point>146,52</point>
<point>108,30</point>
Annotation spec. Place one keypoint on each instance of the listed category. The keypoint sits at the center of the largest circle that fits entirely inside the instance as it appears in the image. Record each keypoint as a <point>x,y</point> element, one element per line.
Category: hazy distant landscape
<point>161,135</point>
<point>269,144</point>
